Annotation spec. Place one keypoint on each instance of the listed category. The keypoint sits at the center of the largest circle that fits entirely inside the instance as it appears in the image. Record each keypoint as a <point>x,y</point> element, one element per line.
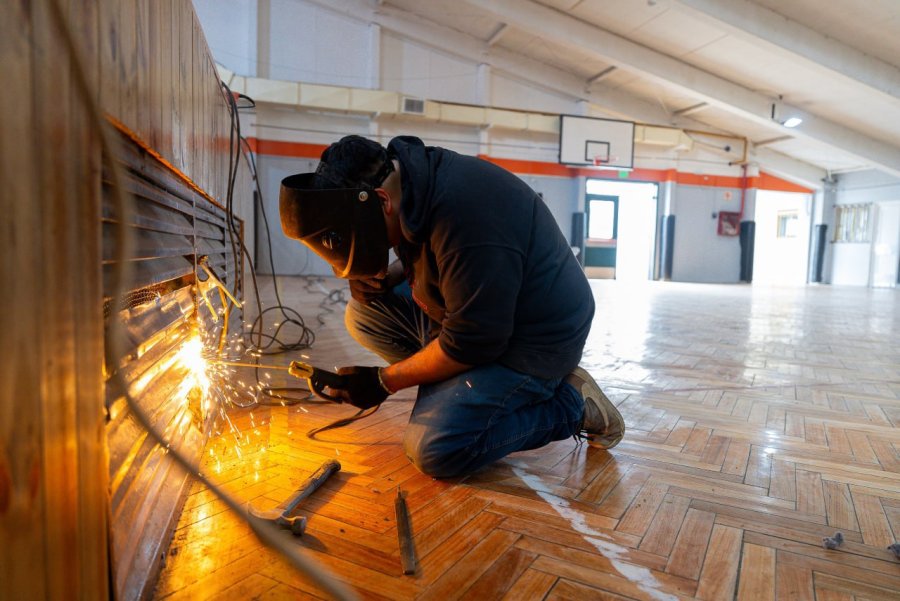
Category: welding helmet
<point>339,218</point>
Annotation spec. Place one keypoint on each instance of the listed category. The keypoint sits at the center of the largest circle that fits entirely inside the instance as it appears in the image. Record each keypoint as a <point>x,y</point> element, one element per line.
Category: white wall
<point>867,186</point>
<point>417,70</point>
<point>886,245</point>
<point>230,29</point>
<point>850,262</point>
<point>509,92</point>
<point>314,44</point>
<point>700,254</point>
<point>781,260</point>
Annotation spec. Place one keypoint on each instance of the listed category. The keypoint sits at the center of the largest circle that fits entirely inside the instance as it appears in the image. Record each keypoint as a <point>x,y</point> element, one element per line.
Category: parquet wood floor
<point>760,420</point>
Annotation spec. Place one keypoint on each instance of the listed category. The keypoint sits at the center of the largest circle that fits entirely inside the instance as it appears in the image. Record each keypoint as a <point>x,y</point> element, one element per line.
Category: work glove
<point>361,387</point>
<point>368,289</point>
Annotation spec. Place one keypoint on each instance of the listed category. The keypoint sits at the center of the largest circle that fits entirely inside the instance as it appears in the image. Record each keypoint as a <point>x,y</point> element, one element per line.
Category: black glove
<point>361,386</point>
<point>367,290</point>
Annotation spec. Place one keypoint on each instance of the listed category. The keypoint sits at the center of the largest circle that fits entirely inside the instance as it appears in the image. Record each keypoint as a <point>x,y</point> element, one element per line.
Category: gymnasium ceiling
<point>715,65</point>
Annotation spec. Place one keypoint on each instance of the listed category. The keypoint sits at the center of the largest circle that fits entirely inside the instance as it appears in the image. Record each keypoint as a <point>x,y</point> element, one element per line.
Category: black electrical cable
<point>268,395</point>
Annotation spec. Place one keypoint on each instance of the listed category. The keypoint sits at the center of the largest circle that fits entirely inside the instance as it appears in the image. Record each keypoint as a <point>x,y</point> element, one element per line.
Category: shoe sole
<point>600,442</point>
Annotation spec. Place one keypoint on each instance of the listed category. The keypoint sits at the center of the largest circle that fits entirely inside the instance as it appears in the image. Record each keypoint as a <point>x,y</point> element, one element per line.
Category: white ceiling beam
<point>743,102</point>
<point>789,168</point>
<point>750,20</point>
<point>774,140</point>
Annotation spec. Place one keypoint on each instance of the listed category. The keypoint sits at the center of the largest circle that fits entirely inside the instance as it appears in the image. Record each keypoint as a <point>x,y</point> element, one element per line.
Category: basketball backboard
<point>591,141</point>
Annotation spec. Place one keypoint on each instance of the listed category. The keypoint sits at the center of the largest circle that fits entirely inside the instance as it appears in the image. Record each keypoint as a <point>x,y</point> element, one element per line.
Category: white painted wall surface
<point>781,260</point>
<point>230,30</point>
<point>417,70</point>
<point>867,186</point>
<point>509,92</point>
<point>523,145</point>
<point>850,264</point>
<point>313,44</point>
<point>560,196</point>
<point>886,245</point>
<point>700,254</point>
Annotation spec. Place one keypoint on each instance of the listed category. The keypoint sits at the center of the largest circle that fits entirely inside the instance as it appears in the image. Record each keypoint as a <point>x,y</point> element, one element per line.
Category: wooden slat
<point>500,576</point>
<point>690,546</point>
<point>757,575</point>
<point>472,566</point>
<point>720,568</point>
<point>533,584</point>
<point>873,524</point>
<point>794,583</point>
<point>839,506</point>
<point>87,314</point>
<point>660,537</point>
<point>20,463</point>
<point>639,516</point>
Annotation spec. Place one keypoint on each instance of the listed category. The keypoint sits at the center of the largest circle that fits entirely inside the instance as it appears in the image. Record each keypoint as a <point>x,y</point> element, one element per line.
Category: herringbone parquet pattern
<point>760,421</point>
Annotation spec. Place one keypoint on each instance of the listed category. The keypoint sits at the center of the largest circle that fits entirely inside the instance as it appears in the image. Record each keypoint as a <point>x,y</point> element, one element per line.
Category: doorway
<point>781,255</point>
<point>886,246</point>
<point>621,229</point>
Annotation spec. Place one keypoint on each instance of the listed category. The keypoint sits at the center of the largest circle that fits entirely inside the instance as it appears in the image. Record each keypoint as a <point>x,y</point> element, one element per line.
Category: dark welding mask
<point>343,225</point>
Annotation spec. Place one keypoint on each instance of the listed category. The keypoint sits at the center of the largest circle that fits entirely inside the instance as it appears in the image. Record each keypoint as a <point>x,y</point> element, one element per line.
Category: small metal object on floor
<point>404,534</point>
<point>281,515</point>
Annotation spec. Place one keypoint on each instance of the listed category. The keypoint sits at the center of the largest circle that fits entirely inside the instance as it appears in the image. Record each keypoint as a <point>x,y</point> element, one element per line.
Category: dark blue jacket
<point>486,260</point>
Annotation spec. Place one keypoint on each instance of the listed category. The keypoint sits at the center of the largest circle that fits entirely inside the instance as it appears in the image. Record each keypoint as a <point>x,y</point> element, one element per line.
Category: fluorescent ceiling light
<point>792,121</point>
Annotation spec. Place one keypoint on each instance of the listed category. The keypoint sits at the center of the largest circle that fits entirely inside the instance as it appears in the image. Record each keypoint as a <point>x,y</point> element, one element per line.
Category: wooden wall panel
<point>84,170</point>
<point>21,499</point>
<point>55,237</point>
<point>150,69</point>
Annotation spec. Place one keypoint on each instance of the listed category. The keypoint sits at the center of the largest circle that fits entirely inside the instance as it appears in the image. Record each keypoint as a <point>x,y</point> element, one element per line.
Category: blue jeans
<point>472,419</point>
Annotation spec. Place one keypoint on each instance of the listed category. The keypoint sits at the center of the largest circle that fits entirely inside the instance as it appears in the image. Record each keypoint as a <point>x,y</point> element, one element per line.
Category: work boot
<point>601,424</point>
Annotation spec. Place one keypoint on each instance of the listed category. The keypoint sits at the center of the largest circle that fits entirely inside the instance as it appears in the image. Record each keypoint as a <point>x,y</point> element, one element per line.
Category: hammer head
<point>296,524</point>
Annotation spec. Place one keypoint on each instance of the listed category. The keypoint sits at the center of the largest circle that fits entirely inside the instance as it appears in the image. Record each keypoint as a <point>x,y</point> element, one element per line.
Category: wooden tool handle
<point>311,484</point>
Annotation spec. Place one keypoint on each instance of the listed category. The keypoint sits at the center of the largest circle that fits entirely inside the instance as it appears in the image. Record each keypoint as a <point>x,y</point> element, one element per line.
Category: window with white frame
<point>788,224</point>
<point>851,223</point>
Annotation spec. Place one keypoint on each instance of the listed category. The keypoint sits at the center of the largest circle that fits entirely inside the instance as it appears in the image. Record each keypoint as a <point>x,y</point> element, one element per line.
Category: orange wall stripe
<point>770,182</point>
<point>286,149</point>
<point>765,181</point>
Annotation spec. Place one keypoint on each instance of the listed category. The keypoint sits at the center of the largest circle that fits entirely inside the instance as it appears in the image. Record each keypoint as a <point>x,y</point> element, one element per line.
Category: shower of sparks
<point>219,389</point>
<point>191,356</point>
<point>216,397</point>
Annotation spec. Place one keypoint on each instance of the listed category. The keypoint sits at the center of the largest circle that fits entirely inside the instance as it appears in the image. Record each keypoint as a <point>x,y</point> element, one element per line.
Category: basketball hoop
<point>603,160</point>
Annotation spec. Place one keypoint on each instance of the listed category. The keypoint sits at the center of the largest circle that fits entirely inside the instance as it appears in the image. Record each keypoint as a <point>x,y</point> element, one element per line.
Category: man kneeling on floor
<point>491,319</point>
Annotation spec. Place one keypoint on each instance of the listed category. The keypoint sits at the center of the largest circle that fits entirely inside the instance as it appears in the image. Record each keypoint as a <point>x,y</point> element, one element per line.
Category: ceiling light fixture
<point>791,121</point>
